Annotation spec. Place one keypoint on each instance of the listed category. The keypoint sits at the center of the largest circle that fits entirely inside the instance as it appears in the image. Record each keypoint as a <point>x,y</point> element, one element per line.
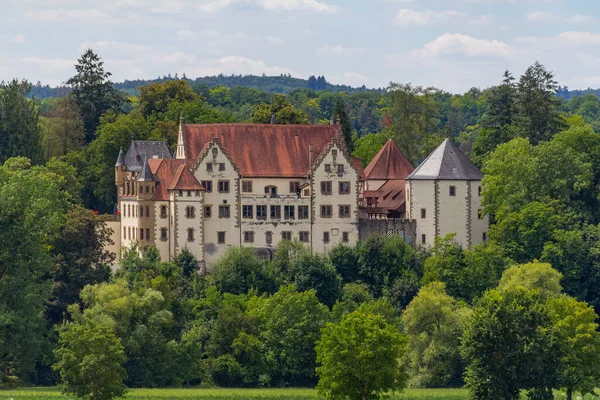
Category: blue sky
<point>450,44</point>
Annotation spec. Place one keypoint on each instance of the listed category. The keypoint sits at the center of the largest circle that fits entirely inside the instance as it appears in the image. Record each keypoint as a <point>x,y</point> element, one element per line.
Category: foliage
<point>238,271</point>
<point>284,112</point>
<point>63,129</point>
<point>90,361</point>
<point>358,358</point>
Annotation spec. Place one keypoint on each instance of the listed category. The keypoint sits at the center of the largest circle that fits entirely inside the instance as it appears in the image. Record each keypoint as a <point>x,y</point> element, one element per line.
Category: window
<point>334,153</point>
<point>221,237</point>
<point>207,211</point>
<point>340,168</point>
<point>304,237</point>
<point>163,234</point>
<point>423,213</point>
<point>269,237</point>
<point>289,212</point>
<point>484,236</point>
<point>326,211</point>
<point>261,212</point>
<point>294,187</point>
<point>207,185</point>
<point>190,212</point>
<point>221,166</point>
<point>452,190</point>
<point>327,167</point>
<point>275,212</point>
<point>124,233</point>
<point>247,186</point>
<point>271,191</point>
<point>147,189</point>
<point>129,232</point>
<point>326,237</point>
<point>344,211</point>
<point>480,214</point>
<point>345,237</point>
<point>326,187</point>
<point>306,192</point>
<point>479,190</point>
<point>223,186</point>
<point>344,187</point>
<point>286,235</point>
<point>302,212</point>
<point>209,167</point>
<point>147,211</point>
<point>190,232</point>
<point>141,211</point>
<point>224,212</point>
<point>180,193</point>
<point>248,237</point>
<point>147,234</point>
<point>423,239</point>
<point>247,212</point>
<point>189,193</point>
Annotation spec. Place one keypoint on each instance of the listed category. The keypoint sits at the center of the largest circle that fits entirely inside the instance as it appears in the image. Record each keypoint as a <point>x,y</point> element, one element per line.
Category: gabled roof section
<point>446,162</point>
<point>163,170</point>
<point>260,150</point>
<point>184,180</point>
<point>134,159</point>
<point>121,159</point>
<point>146,174</point>
<point>389,163</point>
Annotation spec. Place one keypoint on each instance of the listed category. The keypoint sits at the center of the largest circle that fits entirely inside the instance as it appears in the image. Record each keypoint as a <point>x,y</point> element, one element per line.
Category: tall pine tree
<point>340,114</point>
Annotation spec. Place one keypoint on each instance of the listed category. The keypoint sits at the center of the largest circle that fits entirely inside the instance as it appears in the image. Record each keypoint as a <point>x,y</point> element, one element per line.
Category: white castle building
<point>256,185</point>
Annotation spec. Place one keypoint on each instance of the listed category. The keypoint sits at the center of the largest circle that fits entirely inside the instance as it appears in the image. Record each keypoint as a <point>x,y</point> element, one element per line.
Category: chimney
<point>273,119</point>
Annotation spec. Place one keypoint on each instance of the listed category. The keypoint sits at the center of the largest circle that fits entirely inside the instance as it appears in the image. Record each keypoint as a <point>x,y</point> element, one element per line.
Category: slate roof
<point>260,150</point>
<point>139,149</point>
<point>146,174</point>
<point>389,163</point>
<point>184,180</point>
<point>121,159</point>
<point>446,162</point>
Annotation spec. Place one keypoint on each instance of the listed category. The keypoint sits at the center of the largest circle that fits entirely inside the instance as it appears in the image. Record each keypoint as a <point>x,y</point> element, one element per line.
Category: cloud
<point>18,39</point>
<point>274,40</point>
<point>247,65</point>
<point>64,15</point>
<point>185,34</point>
<point>541,16</point>
<point>339,50</point>
<point>293,5</point>
<point>50,63</point>
<point>407,16</point>
<point>581,19</point>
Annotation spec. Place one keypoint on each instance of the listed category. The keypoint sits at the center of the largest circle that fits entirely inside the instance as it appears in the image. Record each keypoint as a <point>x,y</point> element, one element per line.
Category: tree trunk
<point>569,394</point>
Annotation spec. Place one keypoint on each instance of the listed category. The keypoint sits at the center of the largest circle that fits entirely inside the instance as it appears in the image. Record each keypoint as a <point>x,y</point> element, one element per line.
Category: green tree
<point>93,91</point>
<point>238,271</point>
<point>314,271</point>
<point>367,146</point>
<point>90,361</point>
<point>433,323</point>
<point>20,133</point>
<point>359,358</point>
<point>63,129</point>
<point>155,98</point>
<point>538,118</point>
<point>537,276</point>
<point>285,113</point>
<point>340,114</point>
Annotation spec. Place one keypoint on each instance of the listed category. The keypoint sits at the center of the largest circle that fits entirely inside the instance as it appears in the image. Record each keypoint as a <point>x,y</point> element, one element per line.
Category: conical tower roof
<point>389,163</point>
<point>446,162</point>
<point>146,174</point>
<point>121,159</point>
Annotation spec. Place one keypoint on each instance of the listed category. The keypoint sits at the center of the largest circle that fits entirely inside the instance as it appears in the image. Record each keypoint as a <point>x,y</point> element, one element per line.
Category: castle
<point>256,185</point>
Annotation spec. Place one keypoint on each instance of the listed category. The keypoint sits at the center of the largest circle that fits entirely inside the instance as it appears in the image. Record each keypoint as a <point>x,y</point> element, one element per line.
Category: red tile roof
<point>163,170</point>
<point>389,163</point>
<point>184,180</point>
<point>262,150</point>
<point>358,166</point>
<point>392,196</point>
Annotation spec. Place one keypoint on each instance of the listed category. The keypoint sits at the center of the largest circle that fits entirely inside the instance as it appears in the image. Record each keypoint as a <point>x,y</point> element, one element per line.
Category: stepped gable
<point>134,159</point>
<point>446,162</point>
<point>163,170</point>
<point>184,180</point>
<point>260,150</point>
<point>389,163</point>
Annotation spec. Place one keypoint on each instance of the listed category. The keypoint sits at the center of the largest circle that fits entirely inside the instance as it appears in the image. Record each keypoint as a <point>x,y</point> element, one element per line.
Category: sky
<point>450,44</point>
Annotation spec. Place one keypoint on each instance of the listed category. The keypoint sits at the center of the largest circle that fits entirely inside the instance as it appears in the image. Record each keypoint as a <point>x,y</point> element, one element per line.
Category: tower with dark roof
<point>443,194</point>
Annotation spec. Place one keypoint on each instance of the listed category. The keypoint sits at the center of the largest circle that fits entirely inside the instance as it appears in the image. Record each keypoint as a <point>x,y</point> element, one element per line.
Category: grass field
<point>231,394</point>
<point>241,394</point>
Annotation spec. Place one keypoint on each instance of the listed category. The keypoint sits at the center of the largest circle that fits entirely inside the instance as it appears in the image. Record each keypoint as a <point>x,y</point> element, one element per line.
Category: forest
<point>516,314</point>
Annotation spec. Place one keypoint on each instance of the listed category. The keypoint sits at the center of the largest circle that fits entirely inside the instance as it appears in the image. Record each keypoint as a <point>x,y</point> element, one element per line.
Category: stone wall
<point>388,227</point>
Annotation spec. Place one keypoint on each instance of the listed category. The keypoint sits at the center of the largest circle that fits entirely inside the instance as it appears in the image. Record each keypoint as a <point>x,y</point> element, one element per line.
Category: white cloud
<point>407,16</point>
<point>64,15</point>
<point>177,59</point>
<point>50,63</point>
<point>339,50</point>
<point>541,16</point>
<point>213,6</point>
<point>293,5</point>
<point>581,19</point>
<point>185,34</point>
<point>247,65</point>
<point>274,40</point>
<point>18,39</point>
